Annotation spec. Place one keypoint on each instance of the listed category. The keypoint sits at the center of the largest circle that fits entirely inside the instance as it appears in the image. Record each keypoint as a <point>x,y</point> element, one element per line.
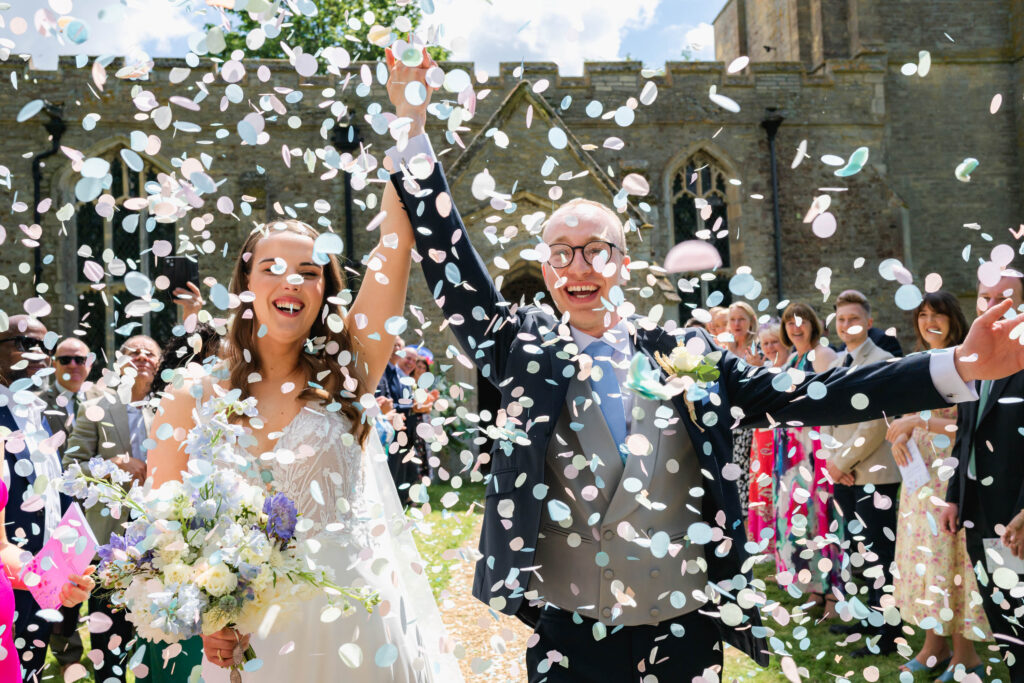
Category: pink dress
<point>10,669</point>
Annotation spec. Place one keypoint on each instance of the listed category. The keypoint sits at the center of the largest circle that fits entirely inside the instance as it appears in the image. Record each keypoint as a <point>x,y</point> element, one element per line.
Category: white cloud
<point>566,32</point>
<point>700,40</point>
<point>123,28</point>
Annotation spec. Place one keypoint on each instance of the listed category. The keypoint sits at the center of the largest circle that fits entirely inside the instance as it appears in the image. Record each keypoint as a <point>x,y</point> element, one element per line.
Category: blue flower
<point>282,516</point>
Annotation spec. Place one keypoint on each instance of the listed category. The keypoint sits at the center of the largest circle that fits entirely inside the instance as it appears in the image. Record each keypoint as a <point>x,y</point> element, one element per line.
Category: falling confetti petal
<point>692,256</point>
<point>722,101</point>
<point>965,168</point>
<point>855,164</point>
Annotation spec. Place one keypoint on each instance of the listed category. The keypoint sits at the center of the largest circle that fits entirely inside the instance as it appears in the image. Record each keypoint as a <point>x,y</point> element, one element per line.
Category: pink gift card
<point>71,549</point>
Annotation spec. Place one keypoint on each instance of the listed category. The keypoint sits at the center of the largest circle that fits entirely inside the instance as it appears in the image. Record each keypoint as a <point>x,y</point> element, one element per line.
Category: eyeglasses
<point>24,343</point>
<point>563,254</point>
<point>72,360</point>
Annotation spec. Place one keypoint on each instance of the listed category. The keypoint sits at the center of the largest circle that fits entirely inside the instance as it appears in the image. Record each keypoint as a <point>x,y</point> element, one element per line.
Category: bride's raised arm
<point>382,293</point>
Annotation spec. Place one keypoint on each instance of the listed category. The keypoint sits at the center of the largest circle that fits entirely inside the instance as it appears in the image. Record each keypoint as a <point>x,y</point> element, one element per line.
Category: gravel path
<point>494,643</point>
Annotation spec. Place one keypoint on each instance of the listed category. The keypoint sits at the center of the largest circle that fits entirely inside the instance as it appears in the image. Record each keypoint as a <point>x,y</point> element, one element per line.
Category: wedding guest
<point>866,482</point>
<point>198,347</point>
<point>22,358</point>
<point>741,340</point>
<point>761,516</point>
<point>400,453</point>
<point>12,558</point>
<point>800,475</point>
<point>934,579</point>
<point>719,322</point>
<point>114,426</point>
<point>72,362</point>
<point>422,408</point>
<point>987,490</point>
<point>575,551</point>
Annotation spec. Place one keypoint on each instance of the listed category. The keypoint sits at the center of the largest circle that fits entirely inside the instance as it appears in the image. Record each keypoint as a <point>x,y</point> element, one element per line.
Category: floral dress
<point>934,580</point>
<point>807,541</point>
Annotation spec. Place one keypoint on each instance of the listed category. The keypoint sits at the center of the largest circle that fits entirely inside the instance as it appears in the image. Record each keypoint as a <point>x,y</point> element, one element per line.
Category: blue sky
<point>484,31</point>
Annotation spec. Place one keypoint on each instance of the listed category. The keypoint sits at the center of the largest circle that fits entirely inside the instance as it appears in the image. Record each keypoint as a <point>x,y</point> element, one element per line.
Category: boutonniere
<point>697,371</point>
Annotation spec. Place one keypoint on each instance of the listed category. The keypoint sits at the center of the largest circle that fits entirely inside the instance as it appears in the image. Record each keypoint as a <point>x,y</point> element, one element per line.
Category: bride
<point>307,361</point>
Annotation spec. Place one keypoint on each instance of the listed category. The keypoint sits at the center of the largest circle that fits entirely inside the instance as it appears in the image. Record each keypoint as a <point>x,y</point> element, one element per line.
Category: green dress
<point>176,670</point>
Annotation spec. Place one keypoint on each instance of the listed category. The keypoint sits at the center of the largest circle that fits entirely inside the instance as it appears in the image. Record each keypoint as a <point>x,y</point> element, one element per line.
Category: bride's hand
<point>400,77</point>
<point>219,647</point>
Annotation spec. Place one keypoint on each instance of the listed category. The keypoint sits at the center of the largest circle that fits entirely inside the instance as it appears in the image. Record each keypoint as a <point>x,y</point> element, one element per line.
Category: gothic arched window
<point>700,212</point>
<point>119,239</point>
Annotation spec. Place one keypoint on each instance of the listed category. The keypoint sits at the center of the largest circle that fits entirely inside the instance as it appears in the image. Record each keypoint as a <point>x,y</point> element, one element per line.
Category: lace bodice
<point>320,466</point>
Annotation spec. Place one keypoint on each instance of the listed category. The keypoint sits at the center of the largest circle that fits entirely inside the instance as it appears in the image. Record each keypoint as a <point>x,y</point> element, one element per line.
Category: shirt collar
<point>616,337</point>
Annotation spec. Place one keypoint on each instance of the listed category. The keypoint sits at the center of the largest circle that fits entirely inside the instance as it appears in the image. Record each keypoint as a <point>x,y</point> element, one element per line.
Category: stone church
<point>922,84</point>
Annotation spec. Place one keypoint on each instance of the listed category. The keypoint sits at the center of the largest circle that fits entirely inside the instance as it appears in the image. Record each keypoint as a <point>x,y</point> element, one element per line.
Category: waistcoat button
<point>609,574</point>
<point>655,611</point>
<point>607,611</point>
<point>655,573</point>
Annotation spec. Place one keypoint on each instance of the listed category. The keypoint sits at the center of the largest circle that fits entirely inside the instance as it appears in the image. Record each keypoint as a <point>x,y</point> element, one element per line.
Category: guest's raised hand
<point>989,352</point>
<point>189,298</point>
<point>220,647</point>
<point>78,588</point>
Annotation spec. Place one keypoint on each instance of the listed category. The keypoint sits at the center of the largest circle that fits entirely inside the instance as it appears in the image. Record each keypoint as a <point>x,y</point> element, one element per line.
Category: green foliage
<point>337,22</point>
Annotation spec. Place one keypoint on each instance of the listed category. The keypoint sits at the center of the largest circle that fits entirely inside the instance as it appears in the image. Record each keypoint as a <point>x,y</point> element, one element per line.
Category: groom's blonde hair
<point>573,205</point>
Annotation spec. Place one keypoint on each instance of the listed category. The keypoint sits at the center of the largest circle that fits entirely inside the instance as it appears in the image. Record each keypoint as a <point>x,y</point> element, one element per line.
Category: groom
<point>609,526</point>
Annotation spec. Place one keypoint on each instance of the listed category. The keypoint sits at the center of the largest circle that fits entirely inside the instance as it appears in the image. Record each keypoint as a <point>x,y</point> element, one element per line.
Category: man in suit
<point>114,426</point>
<point>393,386</point>
<point>867,481</point>
<point>987,490</point>
<point>608,526</point>
<point>29,464</point>
<point>72,362</point>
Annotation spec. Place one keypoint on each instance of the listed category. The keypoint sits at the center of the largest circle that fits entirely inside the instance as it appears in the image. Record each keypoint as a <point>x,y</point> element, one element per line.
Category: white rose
<point>178,572</point>
<point>218,580</point>
<point>684,361</point>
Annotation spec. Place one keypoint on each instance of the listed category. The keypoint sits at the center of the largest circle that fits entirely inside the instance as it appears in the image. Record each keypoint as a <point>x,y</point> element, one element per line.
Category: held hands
<point>1013,537</point>
<point>77,589</point>
<point>132,466</point>
<point>220,647</point>
<point>900,452</point>
<point>838,476</point>
<point>401,76</point>
<point>902,426</point>
<point>988,352</point>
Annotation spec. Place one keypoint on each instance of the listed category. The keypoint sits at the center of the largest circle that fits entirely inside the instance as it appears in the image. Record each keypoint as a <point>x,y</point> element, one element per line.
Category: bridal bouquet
<point>211,551</point>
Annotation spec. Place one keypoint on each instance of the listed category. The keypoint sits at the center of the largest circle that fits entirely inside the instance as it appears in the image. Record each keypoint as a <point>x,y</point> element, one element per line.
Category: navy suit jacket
<point>1000,469</point>
<point>519,349</point>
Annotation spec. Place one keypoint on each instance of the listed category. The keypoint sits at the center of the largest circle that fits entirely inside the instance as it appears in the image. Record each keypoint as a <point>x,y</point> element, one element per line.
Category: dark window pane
<point>117,170</point>
<point>93,321</point>
<point>684,215</point>
<point>718,211</point>
<point>90,233</point>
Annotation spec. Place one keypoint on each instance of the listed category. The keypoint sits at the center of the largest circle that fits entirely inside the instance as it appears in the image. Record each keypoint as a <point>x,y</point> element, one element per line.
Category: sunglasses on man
<point>72,360</point>
<point>24,343</point>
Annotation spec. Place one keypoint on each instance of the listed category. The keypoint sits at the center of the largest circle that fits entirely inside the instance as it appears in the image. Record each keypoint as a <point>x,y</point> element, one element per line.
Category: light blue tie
<point>609,394</point>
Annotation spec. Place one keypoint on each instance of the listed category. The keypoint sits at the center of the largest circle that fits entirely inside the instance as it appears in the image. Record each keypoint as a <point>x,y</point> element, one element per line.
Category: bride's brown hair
<point>243,355</point>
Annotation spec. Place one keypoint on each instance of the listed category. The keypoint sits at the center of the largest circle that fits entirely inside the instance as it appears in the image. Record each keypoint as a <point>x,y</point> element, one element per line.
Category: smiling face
<point>852,324</point>
<point>287,286</point>
<point>933,326</point>
<point>1007,288</point>
<point>799,332</point>
<point>22,353</point>
<point>73,363</point>
<point>577,289</point>
<point>143,354</point>
<point>772,348</point>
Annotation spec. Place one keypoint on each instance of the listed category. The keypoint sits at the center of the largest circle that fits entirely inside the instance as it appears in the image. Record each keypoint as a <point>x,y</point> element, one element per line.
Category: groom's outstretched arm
<point>458,279</point>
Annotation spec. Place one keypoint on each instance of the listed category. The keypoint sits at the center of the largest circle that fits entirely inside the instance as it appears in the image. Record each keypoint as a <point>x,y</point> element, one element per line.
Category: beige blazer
<point>860,449</point>
<point>108,437</point>
<point>614,543</point>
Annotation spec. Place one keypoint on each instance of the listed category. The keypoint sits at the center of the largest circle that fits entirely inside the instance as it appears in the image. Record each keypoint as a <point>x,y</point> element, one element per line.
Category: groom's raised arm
<point>457,277</point>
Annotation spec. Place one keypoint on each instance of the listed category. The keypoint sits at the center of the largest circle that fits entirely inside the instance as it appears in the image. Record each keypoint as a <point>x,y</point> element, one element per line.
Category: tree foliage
<point>335,22</point>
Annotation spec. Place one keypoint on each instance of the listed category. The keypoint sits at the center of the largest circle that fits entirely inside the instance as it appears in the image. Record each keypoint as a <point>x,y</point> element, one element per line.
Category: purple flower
<point>281,516</point>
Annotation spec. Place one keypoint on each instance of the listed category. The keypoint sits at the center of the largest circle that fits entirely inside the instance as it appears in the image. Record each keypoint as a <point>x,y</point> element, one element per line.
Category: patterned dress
<point>807,539</point>
<point>761,515</point>
<point>934,580</point>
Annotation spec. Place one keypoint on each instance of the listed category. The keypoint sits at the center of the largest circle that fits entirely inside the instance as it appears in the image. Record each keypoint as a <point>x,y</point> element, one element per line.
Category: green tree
<point>318,24</point>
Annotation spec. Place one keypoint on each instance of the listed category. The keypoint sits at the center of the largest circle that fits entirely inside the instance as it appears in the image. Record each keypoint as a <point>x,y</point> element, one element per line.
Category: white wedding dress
<point>403,639</point>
